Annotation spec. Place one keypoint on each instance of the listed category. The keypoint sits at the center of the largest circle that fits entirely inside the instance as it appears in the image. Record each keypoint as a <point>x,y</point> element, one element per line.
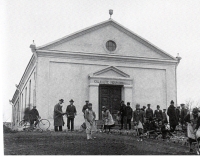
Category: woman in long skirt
<point>107,119</point>
<point>90,121</point>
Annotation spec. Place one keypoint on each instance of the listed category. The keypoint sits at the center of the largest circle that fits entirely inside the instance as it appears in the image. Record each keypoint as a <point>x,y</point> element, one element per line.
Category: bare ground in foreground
<point>75,143</point>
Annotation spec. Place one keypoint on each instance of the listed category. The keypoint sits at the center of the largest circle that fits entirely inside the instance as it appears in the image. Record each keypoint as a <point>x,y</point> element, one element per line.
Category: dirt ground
<point>75,143</point>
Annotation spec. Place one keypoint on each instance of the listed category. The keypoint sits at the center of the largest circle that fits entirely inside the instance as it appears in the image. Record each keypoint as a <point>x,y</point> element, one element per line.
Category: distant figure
<point>123,115</point>
<point>34,116</point>
<point>85,107</point>
<point>149,112</point>
<point>70,112</point>
<point>178,113</point>
<point>58,116</point>
<point>26,114</point>
<point>107,119</point>
<point>184,112</point>
<point>138,119</point>
<point>193,130</point>
<point>171,112</point>
<point>164,116</point>
<point>90,121</point>
<point>129,112</point>
<point>158,113</point>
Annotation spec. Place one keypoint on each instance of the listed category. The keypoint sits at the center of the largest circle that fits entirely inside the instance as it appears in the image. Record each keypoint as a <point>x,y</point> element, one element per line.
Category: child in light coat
<point>90,121</point>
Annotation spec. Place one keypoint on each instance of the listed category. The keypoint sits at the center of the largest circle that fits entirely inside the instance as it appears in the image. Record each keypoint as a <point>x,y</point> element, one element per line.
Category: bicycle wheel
<point>44,124</point>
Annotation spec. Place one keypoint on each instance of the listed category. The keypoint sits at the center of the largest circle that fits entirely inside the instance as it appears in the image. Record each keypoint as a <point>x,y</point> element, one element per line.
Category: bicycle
<point>43,124</point>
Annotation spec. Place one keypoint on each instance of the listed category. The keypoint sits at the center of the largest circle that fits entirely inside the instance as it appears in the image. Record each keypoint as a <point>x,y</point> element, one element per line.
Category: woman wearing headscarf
<point>107,119</point>
<point>193,124</point>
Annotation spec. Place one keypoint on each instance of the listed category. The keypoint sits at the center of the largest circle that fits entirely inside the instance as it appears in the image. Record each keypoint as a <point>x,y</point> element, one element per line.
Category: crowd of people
<point>142,118</point>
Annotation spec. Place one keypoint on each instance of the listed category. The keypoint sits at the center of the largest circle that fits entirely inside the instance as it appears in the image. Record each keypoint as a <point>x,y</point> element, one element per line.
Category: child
<point>107,119</point>
<point>165,129</point>
<point>90,121</point>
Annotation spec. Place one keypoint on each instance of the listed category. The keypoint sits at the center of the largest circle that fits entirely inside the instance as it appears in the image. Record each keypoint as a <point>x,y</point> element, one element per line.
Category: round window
<point>111,45</point>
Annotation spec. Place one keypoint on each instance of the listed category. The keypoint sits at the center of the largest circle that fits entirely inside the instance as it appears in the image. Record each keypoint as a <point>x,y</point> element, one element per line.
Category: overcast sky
<point>171,25</point>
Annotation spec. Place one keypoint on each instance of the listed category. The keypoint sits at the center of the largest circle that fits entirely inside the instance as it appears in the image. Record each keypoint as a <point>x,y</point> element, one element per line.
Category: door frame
<point>99,95</point>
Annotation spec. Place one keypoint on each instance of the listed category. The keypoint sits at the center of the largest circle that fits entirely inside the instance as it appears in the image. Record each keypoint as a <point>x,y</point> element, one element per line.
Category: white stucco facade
<point>75,66</point>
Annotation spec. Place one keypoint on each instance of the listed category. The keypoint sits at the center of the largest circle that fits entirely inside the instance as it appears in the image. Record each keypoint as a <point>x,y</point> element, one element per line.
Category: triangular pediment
<point>93,40</point>
<point>110,71</point>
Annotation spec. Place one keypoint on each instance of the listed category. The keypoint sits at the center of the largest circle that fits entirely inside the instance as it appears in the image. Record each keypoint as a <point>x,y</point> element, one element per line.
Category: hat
<point>158,106</point>
<point>144,107</point>
<point>148,104</point>
<point>87,101</point>
<point>128,103</point>
<point>172,102</point>
<point>61,100</point>
<point>71,100</point>
<point>182,104</point>
<point>103,107</point>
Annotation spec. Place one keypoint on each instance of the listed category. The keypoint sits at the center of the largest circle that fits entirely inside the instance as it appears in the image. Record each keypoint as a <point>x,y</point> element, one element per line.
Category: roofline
<point>72,34</point>
<point>139,38</point>
<point>20,82</point>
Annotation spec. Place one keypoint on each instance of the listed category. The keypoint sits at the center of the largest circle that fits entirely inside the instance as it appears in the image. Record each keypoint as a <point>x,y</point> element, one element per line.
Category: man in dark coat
<point>184,112</point>
<point>158,113</point>
<point>85,107</point>
<point>71,112</point>
<point>123,115</point>
<point>58,116</point>
<point>34,116</point>
<point>129,113</point>
<point>171,112</point>
<point>149,112</point>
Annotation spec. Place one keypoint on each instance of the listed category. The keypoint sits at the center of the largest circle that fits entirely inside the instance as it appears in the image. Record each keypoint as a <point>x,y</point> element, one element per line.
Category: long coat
<point>171,112</point>
<point>58,117</point>
<point>107,118</point>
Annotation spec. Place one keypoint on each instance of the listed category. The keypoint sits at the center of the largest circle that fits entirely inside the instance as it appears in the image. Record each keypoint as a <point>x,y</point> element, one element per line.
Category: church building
<point>104,63</point>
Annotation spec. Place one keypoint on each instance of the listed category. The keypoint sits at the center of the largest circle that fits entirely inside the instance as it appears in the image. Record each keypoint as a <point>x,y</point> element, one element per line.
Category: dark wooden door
<point>109,96</point>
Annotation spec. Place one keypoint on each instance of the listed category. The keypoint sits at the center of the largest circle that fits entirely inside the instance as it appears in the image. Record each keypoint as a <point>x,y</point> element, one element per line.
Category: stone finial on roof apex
<point>33,47</point>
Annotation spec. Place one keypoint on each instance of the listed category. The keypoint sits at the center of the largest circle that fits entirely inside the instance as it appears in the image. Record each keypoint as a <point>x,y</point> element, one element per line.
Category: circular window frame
<point>105,48</point>
<point>111,46</point>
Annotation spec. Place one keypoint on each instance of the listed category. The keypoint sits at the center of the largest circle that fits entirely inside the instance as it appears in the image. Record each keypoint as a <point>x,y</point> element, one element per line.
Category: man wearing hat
<point>71,112</point>
<point>58,116</point>
<point>171,112</point>
<point>85,107</point>
<point>129,112</point>
<point>34,116</point>
<point>158,113</point>
<point>123,114</point>
<point>149,112</point>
